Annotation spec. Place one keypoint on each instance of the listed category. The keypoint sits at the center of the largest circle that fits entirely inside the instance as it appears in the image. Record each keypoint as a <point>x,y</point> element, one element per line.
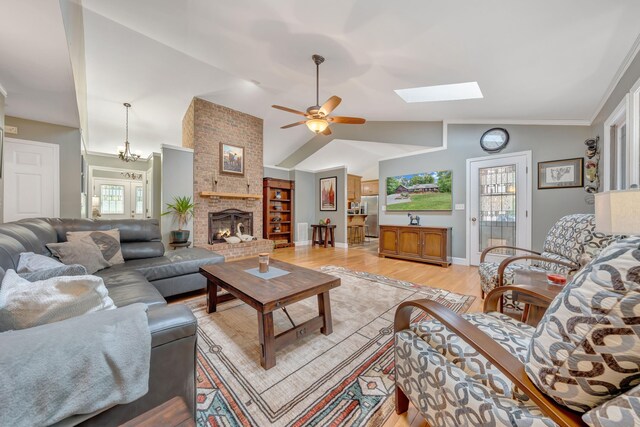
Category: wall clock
<point>494,140</point>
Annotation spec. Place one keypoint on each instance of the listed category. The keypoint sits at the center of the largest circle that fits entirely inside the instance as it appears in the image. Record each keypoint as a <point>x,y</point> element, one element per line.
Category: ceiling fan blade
<point>293,124</point>
<point>330,105</point>
<point>327,131</point>
<point>347,120</point>
<point>289,110</point>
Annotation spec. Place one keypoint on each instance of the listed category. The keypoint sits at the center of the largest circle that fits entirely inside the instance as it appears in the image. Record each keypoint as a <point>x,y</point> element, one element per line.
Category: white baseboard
<point>459,261</point>
<point>341,245</point>
<point>303,243</point>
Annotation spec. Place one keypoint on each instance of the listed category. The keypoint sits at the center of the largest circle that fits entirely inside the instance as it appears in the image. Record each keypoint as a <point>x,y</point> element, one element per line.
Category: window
<point>617,168</point>
<point>112,199</point>
<point>139,201</point>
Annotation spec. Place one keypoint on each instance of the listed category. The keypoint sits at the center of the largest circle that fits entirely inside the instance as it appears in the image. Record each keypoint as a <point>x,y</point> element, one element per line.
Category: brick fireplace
<point>205,127</point>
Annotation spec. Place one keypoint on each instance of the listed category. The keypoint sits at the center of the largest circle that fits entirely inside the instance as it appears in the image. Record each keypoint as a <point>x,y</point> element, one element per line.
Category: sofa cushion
<point>30,262</point>
<point>174,263</point>
<point>142,250</point>
<point>83,252</point>
<point>586,349</point>
<point>128,286</point>
<point>107,241</point>
<point>63,270</point>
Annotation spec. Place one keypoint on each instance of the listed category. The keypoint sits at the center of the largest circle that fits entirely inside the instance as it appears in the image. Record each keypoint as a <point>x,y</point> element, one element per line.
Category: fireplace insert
<point>225,223</point>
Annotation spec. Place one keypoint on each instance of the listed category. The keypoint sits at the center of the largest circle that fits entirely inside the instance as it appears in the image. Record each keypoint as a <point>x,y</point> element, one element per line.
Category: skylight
<point>453,92</point>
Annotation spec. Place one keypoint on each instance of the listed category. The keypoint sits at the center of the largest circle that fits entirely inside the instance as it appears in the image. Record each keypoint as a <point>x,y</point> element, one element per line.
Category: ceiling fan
<point>318,119</point>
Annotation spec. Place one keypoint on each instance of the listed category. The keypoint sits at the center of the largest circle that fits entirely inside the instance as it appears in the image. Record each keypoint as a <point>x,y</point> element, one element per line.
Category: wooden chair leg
<point>402,401</point>
<point>482,293</point>
<point>525,313</point>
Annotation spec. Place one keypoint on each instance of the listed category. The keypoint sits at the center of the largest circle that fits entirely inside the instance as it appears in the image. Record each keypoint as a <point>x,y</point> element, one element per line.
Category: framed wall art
<point>231,160</point>
<point>329,194</point>
<point>567,173</point>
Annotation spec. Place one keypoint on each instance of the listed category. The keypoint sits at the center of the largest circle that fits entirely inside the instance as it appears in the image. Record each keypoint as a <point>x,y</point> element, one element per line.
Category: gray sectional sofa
<point>147,276</point>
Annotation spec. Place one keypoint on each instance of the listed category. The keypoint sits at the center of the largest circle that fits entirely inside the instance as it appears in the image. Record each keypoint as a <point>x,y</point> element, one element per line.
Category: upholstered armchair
<point>570,244</point>
<point>579,366</point>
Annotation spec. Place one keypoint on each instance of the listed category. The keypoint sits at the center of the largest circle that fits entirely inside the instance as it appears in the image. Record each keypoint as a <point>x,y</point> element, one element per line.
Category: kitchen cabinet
<point>370,187</point>
<point>354,188</point>
<point>415,243</point>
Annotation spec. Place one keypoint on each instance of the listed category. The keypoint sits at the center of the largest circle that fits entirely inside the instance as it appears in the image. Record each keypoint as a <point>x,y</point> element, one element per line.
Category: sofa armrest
<point>170,323</point>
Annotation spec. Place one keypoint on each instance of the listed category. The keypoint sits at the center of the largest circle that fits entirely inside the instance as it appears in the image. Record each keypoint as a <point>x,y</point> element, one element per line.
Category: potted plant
<point>182,209</point>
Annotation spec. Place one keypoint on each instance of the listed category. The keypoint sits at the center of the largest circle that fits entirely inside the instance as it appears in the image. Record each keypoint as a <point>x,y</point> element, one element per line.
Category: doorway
<point>31,180</point>
<point>117,194</point>
<point>499,201</point>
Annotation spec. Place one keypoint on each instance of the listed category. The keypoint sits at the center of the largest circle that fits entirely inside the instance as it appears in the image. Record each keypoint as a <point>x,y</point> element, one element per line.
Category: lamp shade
<point>618,212</point>
<point>317,125</point>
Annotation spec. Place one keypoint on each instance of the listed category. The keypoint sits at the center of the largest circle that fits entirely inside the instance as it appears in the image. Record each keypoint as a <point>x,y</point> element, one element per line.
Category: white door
<point>119,198</point>
<point>31,180</point>
<point>499,198</point>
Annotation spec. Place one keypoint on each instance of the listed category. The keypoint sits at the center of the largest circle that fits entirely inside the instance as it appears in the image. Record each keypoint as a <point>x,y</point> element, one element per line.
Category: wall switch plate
<point>13,130</point>
<point>459,206</point>
<point>384,208</point>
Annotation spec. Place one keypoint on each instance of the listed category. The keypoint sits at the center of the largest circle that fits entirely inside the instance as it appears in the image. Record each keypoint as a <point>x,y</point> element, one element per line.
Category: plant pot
<point>180,236</point>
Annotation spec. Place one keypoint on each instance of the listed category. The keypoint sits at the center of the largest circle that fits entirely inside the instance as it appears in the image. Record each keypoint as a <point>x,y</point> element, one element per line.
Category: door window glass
<point>112,199</point>
<point>139,201</point>
<point>497,213</point>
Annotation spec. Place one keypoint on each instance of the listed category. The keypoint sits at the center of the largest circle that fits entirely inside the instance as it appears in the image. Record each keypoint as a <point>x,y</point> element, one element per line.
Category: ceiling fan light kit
<point>318,119</point>
<point>317,125</point>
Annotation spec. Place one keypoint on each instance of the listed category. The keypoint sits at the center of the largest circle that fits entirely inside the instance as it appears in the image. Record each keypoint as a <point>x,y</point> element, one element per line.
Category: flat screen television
<point>429,191</point>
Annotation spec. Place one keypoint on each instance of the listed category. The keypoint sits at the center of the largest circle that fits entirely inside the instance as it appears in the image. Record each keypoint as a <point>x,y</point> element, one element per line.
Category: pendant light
<point>124,153</point>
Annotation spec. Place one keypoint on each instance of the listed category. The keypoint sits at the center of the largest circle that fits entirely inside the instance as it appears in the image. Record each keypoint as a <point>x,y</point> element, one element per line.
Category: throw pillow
<point>586,349</point>
<point>108,241</point>
<point>63,270</point>
<point>83,252</point>
<point>24,304</point>
<point>29,262</point>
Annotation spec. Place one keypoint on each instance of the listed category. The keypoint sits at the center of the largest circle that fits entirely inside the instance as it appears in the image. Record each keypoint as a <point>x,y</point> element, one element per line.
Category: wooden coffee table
<point>267,295</point>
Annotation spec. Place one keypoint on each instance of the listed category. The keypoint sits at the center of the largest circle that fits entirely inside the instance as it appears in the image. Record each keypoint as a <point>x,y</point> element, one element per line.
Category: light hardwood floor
<point>456,278</point>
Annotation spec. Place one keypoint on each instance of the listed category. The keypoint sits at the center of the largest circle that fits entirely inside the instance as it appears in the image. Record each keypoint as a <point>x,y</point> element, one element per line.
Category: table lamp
<point>618,212</point>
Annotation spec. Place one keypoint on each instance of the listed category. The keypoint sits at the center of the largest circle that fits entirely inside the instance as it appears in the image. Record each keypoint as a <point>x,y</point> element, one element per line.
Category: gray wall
<point>177,180</point>
<point>305,196</point>
<point>275,173</point>
<point>339,217</point>
<point>68,139</point>
<point>545,142</point>
<point>155,177</point>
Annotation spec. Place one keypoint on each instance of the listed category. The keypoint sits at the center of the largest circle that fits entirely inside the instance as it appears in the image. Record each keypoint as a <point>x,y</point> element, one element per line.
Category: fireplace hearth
<point>225,223</point>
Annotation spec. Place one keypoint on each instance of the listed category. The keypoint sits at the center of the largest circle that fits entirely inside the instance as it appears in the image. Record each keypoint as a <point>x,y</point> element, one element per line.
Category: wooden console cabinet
<point>415,243</point>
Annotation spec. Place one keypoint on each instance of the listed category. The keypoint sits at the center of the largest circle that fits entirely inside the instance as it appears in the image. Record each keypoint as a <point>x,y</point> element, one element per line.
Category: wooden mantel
<point>218,195</point>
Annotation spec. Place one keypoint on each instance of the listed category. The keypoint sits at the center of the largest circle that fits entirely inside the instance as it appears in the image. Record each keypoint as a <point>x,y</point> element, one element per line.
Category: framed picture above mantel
<point>231,160</point>
<point>565,173</point>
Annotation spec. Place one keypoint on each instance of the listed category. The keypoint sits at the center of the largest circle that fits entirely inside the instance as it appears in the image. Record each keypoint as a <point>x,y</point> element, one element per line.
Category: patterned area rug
<point>345,378</point>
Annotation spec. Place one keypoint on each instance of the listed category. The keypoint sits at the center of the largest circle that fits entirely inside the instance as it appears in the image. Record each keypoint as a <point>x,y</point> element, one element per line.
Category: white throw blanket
<point>76,366</point>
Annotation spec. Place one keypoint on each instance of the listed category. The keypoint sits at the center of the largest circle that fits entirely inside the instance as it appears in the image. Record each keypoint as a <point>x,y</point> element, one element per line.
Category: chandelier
<point>124,153</point>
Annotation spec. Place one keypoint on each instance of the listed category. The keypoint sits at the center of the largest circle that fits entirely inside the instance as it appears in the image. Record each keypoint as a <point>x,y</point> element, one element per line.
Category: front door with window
<point>499,193</point>
<point>119,199</point>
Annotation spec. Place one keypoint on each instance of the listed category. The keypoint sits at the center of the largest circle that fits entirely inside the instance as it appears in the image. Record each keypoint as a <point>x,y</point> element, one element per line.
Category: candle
<point>263,262</point>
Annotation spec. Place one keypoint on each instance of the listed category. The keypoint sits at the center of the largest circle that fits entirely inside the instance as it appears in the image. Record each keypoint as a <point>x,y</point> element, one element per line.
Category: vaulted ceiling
<point>543,60</point>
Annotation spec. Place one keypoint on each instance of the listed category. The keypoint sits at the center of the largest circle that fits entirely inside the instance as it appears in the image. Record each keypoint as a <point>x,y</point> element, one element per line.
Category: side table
<point>534,308</point>
<point>329,235</point>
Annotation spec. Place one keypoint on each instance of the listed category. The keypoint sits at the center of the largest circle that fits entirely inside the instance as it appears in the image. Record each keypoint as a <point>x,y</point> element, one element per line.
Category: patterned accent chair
<point>579,366</point>
<point>571,243</point>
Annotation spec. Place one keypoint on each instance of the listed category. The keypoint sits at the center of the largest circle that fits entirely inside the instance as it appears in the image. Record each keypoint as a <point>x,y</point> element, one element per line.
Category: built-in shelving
<point>278,193</point>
